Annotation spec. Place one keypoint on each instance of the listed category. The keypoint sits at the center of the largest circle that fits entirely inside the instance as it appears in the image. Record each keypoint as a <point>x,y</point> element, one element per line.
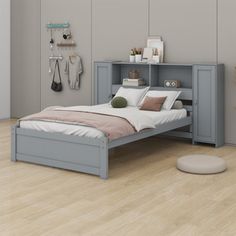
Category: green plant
<point>138,51</point>
<point>132,52</point>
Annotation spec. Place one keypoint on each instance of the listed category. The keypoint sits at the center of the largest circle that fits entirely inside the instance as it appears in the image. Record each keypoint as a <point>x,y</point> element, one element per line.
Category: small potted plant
<point>138,55</point>
<point>132,56</point>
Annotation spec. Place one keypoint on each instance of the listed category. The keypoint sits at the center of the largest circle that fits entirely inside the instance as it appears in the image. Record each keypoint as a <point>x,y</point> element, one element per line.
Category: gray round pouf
<point>201,164</point>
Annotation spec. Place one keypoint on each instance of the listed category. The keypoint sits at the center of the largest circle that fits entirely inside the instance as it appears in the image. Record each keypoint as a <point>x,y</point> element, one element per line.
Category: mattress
<point>159,118</point>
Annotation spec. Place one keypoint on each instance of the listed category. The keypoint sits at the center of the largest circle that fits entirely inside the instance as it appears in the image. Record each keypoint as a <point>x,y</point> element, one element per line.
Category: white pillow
<point>171,97</point>
<point>133,95</point>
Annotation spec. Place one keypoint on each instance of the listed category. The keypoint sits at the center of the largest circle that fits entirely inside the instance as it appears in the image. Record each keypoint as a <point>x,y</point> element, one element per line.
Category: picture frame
<point>147,53</point>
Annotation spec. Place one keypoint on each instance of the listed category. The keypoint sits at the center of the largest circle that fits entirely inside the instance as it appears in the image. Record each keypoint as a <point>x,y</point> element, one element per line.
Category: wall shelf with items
<point>154,75</point>
<point>203,96</point>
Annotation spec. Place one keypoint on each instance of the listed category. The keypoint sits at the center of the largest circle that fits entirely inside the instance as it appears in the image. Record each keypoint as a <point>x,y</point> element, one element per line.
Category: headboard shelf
<point>144,63</point>
<point>186,93</point>
<point>202,87</point>
<point>154,75</point>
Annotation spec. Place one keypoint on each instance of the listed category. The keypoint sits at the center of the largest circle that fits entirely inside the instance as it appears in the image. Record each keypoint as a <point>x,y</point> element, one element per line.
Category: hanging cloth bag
<point>56,86</point>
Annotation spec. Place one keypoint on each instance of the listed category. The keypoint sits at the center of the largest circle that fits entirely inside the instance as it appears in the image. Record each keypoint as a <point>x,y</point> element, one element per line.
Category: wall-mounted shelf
<point>145,63</point>
<point>66,44</point>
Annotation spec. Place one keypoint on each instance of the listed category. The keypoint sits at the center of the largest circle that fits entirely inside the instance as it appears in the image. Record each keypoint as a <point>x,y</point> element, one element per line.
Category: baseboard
<point>230,144</point>
<point>5,118</point>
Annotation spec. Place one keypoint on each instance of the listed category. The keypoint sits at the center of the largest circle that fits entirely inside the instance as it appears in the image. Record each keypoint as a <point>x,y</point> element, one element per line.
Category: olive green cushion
<point>119,102</point>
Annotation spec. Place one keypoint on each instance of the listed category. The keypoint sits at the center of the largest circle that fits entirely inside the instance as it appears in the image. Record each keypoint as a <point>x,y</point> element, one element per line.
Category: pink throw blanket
<point>112,126</point>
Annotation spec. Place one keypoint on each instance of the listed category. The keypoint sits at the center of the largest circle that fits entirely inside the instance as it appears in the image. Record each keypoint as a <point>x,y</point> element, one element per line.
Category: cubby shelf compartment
<point>121,71</point>
<point>161,72</point>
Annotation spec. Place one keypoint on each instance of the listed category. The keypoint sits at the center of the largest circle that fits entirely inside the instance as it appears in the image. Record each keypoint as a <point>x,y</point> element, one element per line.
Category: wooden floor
<point>145,195</point>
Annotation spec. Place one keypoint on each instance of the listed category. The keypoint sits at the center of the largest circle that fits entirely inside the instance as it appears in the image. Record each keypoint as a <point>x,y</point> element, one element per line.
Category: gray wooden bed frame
<point>88,155</point>
<point>82,154</point>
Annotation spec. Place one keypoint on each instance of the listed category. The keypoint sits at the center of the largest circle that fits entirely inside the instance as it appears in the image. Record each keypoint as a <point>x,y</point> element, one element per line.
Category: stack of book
<point>133,82</point>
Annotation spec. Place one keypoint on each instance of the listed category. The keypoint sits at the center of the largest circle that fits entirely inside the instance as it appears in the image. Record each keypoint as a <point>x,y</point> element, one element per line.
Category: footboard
<point>62,151</point>
<point>88,155</point>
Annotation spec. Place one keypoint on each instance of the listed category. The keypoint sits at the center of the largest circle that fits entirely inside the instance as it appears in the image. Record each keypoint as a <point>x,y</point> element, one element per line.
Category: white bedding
<point>139,119</point>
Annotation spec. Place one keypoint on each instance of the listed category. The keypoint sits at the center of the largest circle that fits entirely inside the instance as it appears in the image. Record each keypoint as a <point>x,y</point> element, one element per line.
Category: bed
<point>82,148</point>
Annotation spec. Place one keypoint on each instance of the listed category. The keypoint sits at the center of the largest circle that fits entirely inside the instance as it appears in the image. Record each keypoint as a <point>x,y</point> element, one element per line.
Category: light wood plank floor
<point>145,195</point>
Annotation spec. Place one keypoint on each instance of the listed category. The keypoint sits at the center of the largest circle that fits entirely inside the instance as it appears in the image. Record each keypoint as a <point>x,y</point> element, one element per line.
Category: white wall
<point>226,55</point>
<point>5,59</point>
<point>25,59</point>
<point>78,13</point>
<point>194,31</point>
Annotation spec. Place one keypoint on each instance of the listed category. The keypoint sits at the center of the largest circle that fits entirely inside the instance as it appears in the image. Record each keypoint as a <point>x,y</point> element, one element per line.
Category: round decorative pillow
<point>201,164</point>
<point>178,105</point>
<point>119,102</point>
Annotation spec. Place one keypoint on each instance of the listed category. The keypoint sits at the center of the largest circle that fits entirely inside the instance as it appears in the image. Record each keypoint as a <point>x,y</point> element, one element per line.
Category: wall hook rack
<point>53,58</point>
<point>58,25</point>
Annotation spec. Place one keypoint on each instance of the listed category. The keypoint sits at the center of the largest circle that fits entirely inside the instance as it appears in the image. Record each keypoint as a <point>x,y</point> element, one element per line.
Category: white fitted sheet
<point>159,118</point>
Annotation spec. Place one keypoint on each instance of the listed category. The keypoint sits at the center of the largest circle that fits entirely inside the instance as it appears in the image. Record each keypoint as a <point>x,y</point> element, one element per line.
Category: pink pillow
<point>153,103</point>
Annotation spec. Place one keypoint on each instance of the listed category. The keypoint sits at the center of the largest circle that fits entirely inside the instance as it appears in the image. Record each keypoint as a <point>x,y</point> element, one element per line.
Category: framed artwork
<point>147,53</point>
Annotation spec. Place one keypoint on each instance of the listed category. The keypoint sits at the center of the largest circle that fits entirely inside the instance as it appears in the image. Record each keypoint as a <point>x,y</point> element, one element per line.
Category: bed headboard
<point>186,96</point>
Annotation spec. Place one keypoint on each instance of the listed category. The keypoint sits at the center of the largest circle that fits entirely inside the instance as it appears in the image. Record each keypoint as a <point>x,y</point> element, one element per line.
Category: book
<point>133,82</point>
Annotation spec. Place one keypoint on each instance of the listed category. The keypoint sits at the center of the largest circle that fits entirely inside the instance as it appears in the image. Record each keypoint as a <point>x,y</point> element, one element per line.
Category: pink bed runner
<point>113,127</point>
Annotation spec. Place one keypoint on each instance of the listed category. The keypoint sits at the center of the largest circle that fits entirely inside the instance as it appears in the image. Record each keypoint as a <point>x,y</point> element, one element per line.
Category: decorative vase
<point>138,58</point>
<point>132,58</point>
<point>134,74</point>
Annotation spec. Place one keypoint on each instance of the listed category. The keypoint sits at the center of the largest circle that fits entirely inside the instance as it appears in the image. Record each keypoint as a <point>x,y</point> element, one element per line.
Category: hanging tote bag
<point>56,86</point>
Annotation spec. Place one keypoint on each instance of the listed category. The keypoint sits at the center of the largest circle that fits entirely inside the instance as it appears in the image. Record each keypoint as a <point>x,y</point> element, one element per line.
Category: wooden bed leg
<point>13,143</point>
<point>104,160</point>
